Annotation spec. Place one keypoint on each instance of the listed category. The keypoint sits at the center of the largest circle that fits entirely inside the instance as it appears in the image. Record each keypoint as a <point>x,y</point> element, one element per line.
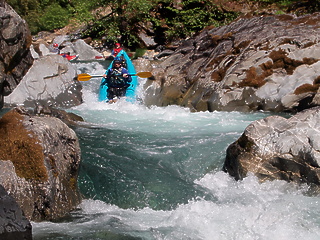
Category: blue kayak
<point>131,90</point>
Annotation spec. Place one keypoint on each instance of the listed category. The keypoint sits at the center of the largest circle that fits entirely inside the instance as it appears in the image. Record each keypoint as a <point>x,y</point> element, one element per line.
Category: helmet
<point>55,45</point>
<point>117,44</point>
<point>117,61</point>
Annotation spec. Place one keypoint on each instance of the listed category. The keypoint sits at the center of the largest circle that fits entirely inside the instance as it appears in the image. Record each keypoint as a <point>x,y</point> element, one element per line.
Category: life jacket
<point>116,51</point>
<point>115,78</point>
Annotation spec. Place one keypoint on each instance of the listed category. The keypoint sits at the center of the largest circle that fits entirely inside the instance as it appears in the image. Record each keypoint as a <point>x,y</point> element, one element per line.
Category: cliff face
<point>15,55</point>
<point>262,63</point>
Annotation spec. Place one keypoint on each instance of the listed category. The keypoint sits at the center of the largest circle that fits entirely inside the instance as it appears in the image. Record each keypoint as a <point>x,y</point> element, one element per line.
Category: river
<point>155,173</point>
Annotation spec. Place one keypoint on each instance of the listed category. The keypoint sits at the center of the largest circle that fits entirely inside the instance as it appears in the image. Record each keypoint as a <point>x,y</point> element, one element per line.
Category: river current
<point>155,173</point>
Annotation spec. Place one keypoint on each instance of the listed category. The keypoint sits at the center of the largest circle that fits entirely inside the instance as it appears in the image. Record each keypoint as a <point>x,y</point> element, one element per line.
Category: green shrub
<point>168,19</point>
<point>193,16</point>
<point>139,53</point>
<point>54,17</point>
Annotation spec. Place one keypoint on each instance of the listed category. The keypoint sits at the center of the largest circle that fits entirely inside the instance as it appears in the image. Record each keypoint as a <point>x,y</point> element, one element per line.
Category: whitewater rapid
<point>155,173</point>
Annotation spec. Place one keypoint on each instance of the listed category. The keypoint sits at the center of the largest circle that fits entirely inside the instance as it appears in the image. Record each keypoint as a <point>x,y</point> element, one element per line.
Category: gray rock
<point>15,56</point>
<point>34,54</point>
<point>13,223</point>
<point>164,53</point>
<point>278,148</point>
<point>78,47</point>
<point>148,41</point>
<point>49,82</point>
<point>85,51</point>
<point>262,63</point>
<point>61,39</point>
<point>39,164</point>
<point>71,119</point>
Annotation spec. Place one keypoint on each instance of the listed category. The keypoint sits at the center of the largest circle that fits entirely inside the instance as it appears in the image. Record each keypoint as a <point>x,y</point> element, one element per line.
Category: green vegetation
<point>139,52</point>
<point>53,21</point>
<point>121,20</point>
<point>192,16</point>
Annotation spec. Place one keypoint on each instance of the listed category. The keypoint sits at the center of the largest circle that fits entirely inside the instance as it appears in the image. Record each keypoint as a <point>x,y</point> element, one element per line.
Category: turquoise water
<point>155,173</point>
<point>151,157</point>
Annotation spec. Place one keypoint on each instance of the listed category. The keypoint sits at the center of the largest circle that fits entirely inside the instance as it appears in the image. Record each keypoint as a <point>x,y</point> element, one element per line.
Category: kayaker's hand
<point>104,75</point>
<point>125,75</point>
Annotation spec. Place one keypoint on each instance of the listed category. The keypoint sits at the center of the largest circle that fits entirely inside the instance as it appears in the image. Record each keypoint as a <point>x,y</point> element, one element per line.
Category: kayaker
<point>66,55</point>
<point>55,48</point>
<point>115,51</point>
<point>117,80</point>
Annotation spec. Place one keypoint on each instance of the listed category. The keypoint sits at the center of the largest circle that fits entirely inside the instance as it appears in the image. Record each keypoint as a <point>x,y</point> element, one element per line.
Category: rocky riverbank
<point>39,154</point>
<point>262,63</point>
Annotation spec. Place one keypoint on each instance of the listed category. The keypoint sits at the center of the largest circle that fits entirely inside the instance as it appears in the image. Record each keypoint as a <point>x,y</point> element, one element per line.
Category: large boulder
<point>260,63</point>
<point>13,223</point>
<point>278,148</point>
<point>51,82</point>
<point>85,51</point>
<point>39,163</point>
<point>15,55</point>
<point>73,47</point>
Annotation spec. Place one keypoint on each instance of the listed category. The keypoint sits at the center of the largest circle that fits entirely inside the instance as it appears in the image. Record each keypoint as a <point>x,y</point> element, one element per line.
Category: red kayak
<point>69,57</point>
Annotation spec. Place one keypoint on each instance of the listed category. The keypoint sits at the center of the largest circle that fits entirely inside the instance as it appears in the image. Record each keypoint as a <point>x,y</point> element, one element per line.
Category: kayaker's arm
<point>106,74</point>
<point>126,75</point>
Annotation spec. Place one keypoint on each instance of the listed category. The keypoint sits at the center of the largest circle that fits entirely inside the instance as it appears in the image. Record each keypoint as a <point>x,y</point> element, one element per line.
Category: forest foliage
<point>123,19</point>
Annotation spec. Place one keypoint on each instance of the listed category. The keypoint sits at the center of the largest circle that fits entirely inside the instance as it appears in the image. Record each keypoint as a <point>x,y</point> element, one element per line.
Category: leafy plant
<point>121,20</point>
<point>139,52</point>
<point>54,17</point>
<point>193,16</point>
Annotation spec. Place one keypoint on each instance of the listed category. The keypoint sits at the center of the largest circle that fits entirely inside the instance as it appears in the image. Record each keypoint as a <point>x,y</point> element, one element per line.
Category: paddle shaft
<point>87,77</point>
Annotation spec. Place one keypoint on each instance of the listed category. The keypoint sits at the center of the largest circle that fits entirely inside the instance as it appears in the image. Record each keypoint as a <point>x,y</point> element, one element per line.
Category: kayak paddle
<point>87,77</point>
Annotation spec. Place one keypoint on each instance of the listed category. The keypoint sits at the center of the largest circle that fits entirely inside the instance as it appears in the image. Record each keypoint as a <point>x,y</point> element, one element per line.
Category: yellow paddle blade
<point>84,77</point>
<point>144,74</point>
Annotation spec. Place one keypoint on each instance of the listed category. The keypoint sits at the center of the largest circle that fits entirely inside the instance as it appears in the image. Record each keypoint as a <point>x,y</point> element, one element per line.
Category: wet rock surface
<point>278,148</point>
<point>13,223</point>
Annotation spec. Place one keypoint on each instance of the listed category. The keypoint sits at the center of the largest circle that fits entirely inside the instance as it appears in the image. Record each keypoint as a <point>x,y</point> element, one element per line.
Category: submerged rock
<point>262,63</point>
<point>39,164</point>
<point>278,148</point>
<point>71,119</point>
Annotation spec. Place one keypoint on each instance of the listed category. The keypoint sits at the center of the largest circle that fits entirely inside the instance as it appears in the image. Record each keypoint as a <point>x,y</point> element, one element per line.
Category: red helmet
<point>118,44</point>
<point>55,45</point>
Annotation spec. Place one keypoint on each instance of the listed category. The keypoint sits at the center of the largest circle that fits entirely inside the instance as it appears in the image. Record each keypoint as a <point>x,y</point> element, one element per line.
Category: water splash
<point>242,210</point>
